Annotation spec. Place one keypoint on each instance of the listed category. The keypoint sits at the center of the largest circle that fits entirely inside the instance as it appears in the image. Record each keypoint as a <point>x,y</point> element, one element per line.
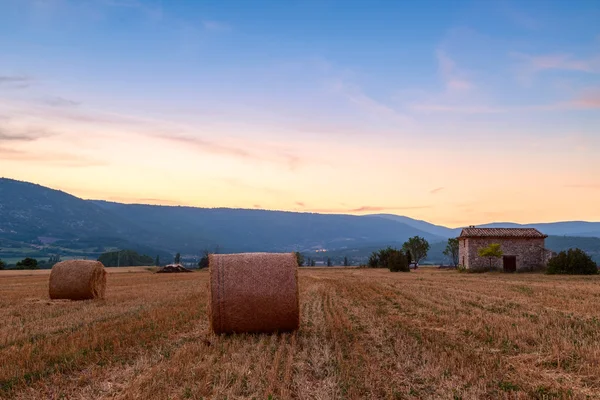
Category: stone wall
<point>530,253</point>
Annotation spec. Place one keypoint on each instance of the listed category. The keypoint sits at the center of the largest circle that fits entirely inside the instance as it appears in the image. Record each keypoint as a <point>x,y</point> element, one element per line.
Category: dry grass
<point>364,334</point>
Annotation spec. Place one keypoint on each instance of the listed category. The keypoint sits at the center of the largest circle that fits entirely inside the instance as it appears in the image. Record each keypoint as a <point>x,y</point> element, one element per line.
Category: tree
<point>2,265</point>
<point>408,256</point>
<point>418,248</point>
<point>346,263</point>
<point>177,259</point>
<point>299,258</point>
<point>452,250</point>
<point>313,263</point>
<point>492,251</point>
<point>572,262</point>
<point>157,261</point>
<point>390,258</point>
<point>128,258</point>
<point>397,262</point>
<point>27,263</point>
<point>329,264</point>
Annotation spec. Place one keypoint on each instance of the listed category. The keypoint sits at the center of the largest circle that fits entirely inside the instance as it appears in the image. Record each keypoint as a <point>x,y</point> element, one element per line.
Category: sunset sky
<point>456,112</point>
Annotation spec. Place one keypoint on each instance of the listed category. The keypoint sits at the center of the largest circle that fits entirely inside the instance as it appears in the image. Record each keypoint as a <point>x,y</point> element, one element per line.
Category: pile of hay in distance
<point>254,292</point>
<point>78,280</point>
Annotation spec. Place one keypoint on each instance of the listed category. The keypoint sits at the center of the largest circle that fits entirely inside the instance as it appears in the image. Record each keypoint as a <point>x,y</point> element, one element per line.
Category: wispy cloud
<point>369,105</point>
<point>362,209</point>
<point>300,204</point>
<point>436,190</point>
<point>15,81</point>
<point>458,109</point>
<point>588,99</point>
<point>564,62</point>
<point>57,101</point>
<point>594,186</point>
<point>22,135</point>
<point>215,26</point>
<point>454,80</point>
<point>211,147</point>
<point>262,153</point>
<point>49,158</point>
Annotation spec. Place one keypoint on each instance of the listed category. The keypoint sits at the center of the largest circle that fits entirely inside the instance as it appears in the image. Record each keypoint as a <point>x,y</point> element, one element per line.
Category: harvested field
<point>363,334</point>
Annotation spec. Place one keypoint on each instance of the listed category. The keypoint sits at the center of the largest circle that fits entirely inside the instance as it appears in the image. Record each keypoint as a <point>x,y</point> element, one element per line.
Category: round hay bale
<point>253,292</point>
<point>78,280</point>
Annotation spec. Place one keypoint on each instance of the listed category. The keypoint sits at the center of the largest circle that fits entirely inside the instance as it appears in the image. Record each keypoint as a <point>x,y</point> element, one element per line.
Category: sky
<point>455,112</point>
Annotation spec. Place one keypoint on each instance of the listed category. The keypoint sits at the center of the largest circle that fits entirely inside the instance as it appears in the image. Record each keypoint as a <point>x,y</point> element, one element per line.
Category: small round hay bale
<point>78,280</point>
<point>253,292</point>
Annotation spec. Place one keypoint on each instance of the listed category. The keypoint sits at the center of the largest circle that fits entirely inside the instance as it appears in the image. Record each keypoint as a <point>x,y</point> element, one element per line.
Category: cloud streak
<point>362,209</point>
<point>28,135</point>
<point>57,101</point>
<point>56,159</point>
<point>564,62</point>
<point>265,153</point>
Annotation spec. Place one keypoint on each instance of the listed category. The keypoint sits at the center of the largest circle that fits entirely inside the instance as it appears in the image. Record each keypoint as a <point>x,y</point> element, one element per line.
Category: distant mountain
<point>570,228</point>
<point>421,225</point>
<point>235,230</point>
<point>36,220</point>
<point>43,217</point>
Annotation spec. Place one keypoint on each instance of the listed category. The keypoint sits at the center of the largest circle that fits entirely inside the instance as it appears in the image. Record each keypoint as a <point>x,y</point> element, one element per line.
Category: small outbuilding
<point>523,249</point>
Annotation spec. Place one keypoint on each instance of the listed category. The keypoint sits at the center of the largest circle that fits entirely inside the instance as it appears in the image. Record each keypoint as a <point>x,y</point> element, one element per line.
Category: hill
<point>37,221</point>
<point>36,217</point>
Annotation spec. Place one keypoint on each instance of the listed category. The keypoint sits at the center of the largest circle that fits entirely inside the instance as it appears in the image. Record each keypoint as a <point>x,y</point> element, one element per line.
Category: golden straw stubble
<point>77,280</point>
<point>254,292</point>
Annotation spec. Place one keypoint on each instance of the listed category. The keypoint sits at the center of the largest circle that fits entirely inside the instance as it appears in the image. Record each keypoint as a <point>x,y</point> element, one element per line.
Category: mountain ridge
<point>55,220</point>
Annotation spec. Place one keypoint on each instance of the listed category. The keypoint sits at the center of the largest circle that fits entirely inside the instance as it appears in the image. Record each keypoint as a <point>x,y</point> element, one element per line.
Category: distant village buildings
<point>523,249</point>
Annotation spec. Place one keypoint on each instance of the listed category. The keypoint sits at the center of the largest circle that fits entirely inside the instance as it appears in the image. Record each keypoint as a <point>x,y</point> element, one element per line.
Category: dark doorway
<point>510,263</point>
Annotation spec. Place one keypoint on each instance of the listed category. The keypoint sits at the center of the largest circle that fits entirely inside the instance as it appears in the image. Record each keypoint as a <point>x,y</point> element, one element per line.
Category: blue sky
<point>487,110</point>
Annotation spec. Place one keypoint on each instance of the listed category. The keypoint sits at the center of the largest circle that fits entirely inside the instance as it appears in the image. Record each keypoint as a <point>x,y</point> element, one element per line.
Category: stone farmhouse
<point>523,249</point>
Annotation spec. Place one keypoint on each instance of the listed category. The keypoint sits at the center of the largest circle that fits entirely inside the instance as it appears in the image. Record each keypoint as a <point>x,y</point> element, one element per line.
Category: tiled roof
<point>502,233</point>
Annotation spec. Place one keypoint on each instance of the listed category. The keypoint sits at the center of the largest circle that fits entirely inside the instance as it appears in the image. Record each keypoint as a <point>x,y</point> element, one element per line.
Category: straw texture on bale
<point>254,292</point>
<point>78,280</point>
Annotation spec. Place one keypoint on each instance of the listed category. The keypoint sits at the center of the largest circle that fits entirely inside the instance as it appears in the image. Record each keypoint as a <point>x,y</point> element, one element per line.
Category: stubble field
<point>364,334</point>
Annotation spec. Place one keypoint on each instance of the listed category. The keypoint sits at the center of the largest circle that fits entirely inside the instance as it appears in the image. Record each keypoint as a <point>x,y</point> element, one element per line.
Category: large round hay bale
<point>253,292</point>
<point>78,280</point>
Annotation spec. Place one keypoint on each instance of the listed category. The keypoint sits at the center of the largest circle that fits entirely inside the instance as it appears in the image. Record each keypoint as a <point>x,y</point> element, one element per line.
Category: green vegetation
<point>393,259</point>
<point>128,258</point>
<point>346,262</point>
<point>177,259</point>
<point>2,265</point>
<point>299,258</point>
<point>27,263</point>
<point>329,263</point>
<point>157,261</point>
<point>417,247</point>
<point>491,252</point>
<point>572,262</point>
<point>452,250</point>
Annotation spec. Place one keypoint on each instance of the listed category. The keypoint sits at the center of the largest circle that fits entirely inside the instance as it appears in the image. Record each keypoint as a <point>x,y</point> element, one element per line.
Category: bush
<point>390,258</point>
<point>572,262</point>
<point>299,258</point>
<point>2,265</point>
<point>27,263</point>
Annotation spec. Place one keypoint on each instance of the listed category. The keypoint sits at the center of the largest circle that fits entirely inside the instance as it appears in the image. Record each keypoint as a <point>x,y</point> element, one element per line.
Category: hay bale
<point>253,292</point>
<point>78,280</point>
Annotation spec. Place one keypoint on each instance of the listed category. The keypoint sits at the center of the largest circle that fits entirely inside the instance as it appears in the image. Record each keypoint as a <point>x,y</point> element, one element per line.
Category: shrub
<point>27,263</point>
<point>572,262</point>
<point>390,258</point>
<point>299,258</point>
<point>2,265</point>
